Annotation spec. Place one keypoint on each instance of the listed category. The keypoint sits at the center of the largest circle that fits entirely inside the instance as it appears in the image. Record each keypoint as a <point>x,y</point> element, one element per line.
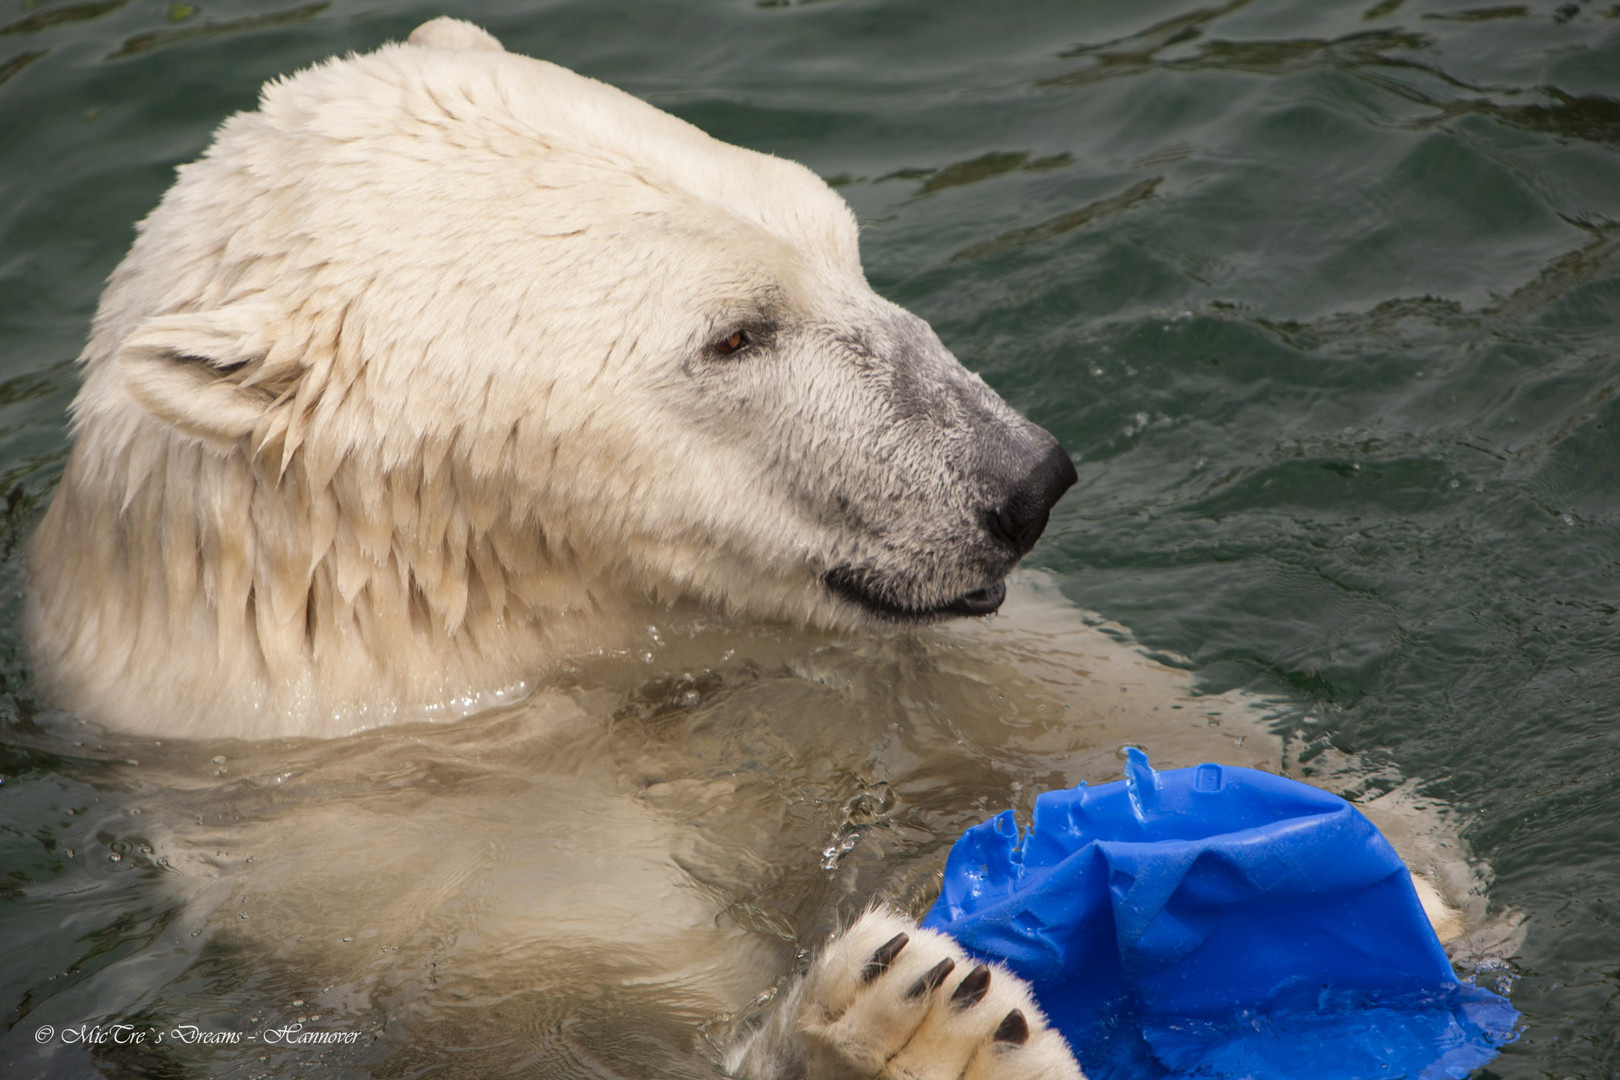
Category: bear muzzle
<point>1008,530</point>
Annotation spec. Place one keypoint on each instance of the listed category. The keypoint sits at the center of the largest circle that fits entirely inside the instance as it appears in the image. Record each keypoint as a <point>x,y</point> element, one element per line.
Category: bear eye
<point>737,341</point>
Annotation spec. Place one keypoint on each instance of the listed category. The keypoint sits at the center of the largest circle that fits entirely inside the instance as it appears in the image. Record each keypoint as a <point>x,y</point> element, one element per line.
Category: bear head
<point>444,357</point>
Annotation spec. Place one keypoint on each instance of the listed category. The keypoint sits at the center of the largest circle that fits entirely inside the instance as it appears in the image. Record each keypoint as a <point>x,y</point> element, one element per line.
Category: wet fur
<point>407,390</point>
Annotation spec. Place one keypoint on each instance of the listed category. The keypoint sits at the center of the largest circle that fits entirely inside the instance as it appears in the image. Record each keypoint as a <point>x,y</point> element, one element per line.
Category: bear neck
<point>193,593</point>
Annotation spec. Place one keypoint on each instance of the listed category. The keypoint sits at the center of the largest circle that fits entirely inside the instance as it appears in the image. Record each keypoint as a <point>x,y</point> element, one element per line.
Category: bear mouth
<point>865,589</point>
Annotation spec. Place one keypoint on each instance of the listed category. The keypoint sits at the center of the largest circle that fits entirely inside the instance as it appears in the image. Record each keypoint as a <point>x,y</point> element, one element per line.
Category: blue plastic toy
<point>1218,922</point>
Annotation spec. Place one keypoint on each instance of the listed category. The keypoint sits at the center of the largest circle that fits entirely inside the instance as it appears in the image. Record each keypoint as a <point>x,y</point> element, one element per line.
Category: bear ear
<point>192,370</point>
<point>447,33</point>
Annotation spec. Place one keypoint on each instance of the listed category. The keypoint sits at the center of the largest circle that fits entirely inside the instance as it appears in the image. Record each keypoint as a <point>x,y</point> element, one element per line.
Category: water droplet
<point>1455,484</point>
<point>348,939</point>
<point>217,760</point>
<point>832,856</point>
<point>115,857</point>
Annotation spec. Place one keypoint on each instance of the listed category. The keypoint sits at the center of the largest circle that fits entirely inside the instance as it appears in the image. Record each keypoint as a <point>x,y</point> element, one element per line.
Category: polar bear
<point>445,364</point>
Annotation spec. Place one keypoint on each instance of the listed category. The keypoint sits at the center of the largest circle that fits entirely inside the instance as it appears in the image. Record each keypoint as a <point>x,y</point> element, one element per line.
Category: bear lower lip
<point>980,601</point>
<point>862,588</point>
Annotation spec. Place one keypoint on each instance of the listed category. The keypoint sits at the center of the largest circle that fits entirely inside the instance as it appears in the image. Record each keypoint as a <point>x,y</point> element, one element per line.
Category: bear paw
<point>890,1000</point>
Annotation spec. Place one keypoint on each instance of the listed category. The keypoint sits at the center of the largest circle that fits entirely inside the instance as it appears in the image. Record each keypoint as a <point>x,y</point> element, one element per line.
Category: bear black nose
<point>1020,520</point>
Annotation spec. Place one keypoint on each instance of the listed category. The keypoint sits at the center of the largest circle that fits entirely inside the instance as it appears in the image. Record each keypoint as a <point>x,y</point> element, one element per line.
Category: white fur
<point>407,388</point>
<point>851,1025</point>
<point>401,394</point>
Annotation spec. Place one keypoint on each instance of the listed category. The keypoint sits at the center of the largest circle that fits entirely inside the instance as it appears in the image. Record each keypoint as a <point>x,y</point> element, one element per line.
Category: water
<point>1322,297</point>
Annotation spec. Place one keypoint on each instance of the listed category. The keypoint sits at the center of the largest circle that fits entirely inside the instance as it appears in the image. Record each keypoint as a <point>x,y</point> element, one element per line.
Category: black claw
<point>884,956</point>
<point>1014,1029</point>
<point>971,990</point>
<point>931,979</point>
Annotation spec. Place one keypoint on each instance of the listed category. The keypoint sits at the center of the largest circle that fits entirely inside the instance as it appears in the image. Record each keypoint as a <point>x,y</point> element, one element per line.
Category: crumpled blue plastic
<point>1218,922</point>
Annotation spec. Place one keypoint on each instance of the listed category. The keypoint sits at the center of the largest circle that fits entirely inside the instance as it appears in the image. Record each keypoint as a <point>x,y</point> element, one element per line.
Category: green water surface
<point>1322,296</point>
